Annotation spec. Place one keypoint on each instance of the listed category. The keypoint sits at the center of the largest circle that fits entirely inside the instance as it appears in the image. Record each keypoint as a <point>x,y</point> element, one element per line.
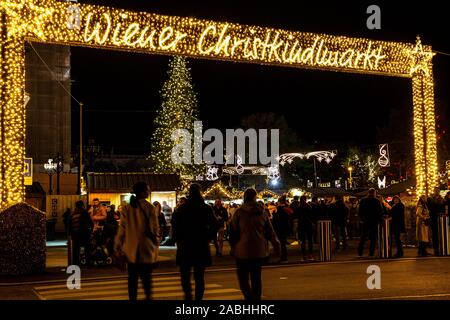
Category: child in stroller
<point>99,254</point>
<point>99,249</point>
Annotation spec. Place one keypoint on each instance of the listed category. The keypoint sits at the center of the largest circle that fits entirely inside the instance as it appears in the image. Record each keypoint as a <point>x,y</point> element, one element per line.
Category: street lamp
<point>59,169</point>
<point>350,179</point>
<point>50,167</point>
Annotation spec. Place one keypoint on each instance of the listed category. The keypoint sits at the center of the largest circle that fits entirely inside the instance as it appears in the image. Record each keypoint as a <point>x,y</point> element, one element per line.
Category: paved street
<point>164,287</point>
<point>410,278</point>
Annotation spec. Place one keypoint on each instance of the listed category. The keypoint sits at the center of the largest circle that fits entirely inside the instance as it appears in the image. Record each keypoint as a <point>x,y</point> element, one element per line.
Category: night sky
<point>330,110</point>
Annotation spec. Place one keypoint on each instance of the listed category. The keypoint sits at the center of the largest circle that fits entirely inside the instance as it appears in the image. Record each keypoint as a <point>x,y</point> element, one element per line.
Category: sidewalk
<point>57,262</point>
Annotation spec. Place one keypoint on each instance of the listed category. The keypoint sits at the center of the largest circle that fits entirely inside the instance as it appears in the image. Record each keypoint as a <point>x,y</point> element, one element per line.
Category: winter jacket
<point>132,237</point>
<point>280,222</point>
<point>80,222</point>
<point>436,207</point>
<point>303,213</point>
<point>340,213</point>
<point>251,230</point>
<point>221,215</point>
<point>370,211</point>
<point>398,218</point>
<point>422,229</point>
<point>316,212</point>
<point>194,225</point>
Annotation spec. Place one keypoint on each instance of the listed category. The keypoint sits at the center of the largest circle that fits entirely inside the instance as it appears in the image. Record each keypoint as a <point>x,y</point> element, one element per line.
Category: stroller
<point>98,254</point>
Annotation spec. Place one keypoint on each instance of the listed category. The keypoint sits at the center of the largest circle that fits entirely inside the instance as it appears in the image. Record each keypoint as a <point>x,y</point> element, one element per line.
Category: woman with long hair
<point>397,213</point>
<point>250,232</point>
<point>138,239</point>
<point>422,226</point>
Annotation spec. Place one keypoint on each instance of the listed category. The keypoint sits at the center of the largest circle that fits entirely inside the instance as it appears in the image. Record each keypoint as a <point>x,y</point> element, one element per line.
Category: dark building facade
<point>48,114</point>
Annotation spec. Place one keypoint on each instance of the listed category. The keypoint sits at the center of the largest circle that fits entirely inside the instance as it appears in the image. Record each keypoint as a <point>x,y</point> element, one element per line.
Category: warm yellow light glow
<point>425,145</point>
<point>104,27</point>
<point>217,187</point>
<point>107,27</point>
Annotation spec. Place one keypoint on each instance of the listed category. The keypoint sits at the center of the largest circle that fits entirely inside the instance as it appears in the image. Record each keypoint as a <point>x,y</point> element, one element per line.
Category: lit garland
<point>266,193</point>
<point>13,116</point>
<point>104,27</point>
<point>218,187</point>
<point>425,145</point>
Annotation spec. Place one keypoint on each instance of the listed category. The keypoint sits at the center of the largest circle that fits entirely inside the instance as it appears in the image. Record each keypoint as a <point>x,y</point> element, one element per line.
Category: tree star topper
<point>26,18</point>
<point>420,59</point>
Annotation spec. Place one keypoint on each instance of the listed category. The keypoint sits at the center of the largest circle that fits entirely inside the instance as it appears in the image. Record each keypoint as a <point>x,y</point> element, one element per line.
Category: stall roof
<point>34,190</point>
<point>392,190</point>
<point>328,192</point>
<point>114,182</point>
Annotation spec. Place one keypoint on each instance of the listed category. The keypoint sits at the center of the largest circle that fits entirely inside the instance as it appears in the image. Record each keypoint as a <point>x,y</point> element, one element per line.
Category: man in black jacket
<point>194,226</point>
<point>339,219</point>
<point>222,216</point>
<point>280,222</point>
<point>370,212</point>
<point>305,227</point>
<point>79,228</point>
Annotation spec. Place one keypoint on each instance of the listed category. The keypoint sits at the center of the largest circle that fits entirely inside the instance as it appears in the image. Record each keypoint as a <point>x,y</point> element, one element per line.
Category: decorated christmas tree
<point>178,110</point>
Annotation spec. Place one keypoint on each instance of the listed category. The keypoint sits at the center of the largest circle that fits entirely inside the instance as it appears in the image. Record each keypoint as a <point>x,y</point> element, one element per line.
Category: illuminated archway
<point>50,21</point>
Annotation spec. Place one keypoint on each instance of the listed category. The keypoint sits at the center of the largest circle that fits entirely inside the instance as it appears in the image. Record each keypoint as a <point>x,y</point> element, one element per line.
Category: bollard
<point>324,227</point>
<point>69,251</point>
<point>443,232</point>
<point>384,238</point>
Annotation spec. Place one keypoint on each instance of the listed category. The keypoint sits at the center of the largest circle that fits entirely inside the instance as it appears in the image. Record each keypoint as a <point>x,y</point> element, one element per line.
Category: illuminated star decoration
<point>420,59</point>
<point>26,17</point>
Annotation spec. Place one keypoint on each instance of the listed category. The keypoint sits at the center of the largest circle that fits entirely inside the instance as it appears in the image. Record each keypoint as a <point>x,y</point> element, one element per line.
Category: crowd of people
<point>138,229</point>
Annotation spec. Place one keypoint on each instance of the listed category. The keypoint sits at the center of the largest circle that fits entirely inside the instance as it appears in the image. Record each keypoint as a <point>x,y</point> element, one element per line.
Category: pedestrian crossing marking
<point>176,294</point>
<point>226,297</point>
<point>162,288</point>
<point>95,292</point>
<point>166,285</point>
<point>95,283</point>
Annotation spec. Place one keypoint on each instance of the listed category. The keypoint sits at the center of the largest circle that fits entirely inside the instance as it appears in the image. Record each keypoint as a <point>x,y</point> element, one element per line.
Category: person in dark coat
<point>397,213</point>
<point>111,227</point>
<point>294,220</point>
<point>339,220</point>
<point>316,215</point>
<point>222,217</point>
<point>79,228</point>
<point>370,212</point>
<point>436,206</point>
<point>303,213</point>
<point>194,226</point>
<point>66,220</point>
<point>280,222</point>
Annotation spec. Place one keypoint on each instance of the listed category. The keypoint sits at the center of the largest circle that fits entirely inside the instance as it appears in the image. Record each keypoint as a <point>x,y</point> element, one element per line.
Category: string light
<point>52,21</point>
<point>220,188</point>
<point>266,193</point>
<point>425,145</point>
<point>178,111</point>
